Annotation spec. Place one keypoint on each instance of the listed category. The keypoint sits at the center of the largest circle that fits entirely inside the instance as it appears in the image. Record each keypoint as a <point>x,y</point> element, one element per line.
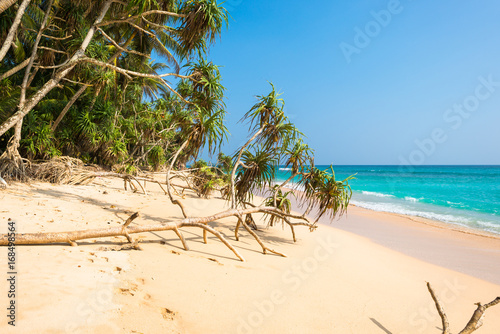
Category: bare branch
<point>53,50</point>
<point>119,47</point>
<point>14,70</point>
<point>13,29</point>
<point>476,320</point>
<point>128,74</point>
<point>442,314</point>
<point>77,83</point>
<point>57,38</point>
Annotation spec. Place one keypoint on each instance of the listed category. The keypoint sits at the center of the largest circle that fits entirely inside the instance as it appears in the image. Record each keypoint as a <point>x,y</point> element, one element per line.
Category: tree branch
<point>14,70</point>
<point>13,29</point>
<point>442,314</point>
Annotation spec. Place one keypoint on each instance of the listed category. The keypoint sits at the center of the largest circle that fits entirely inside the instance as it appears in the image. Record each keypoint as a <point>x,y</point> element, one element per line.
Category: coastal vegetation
<point>81,90</point>
<point>83,96</point>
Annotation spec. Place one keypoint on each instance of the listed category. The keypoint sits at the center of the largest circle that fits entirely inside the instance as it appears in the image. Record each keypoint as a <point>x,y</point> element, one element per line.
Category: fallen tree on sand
<point>126,230</point>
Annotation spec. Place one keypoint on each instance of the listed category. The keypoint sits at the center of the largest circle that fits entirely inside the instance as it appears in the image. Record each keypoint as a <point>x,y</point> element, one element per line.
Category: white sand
<point>332,281</point>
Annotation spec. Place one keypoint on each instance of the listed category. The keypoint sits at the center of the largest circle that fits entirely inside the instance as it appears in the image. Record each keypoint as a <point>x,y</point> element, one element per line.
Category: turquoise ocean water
<point>468,196</point>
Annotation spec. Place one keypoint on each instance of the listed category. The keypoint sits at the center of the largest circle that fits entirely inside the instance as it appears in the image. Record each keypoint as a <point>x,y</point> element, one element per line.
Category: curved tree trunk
<point>281,186</point>
<point>237,164</point>
<point>174,158</point>
<point>68,106</point>
<point>13,28</point>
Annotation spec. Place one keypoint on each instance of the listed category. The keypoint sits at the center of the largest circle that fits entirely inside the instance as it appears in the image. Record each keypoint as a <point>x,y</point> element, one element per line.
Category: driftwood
<point>475,321</point>
<point>126,230</point>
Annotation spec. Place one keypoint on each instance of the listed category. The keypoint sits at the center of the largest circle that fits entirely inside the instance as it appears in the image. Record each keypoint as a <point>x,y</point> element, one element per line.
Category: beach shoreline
<point>331,280</point>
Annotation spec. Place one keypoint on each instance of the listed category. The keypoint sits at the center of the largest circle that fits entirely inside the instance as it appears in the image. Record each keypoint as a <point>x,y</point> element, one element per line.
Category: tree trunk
<point>11,163</point>
<point>4,4</point>
<point>237,164</point>
<point>125,230</point>
<point>68,106</point>
<point>14,70</point>
<point>13,28</point>
<point>174,158</point>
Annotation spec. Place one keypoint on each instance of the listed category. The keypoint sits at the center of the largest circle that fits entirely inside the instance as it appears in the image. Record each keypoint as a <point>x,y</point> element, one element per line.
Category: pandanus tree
<point>323,191</point>
<point>271,130</point>
<point>206,128</point>
<point>296,157</point>
<point>174,29</point>
<point>275,140</point>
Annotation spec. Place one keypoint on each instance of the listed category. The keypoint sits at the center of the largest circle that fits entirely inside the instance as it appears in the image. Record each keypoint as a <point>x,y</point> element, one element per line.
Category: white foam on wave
<point>411,199</point>
<point>289,185</point>
<point>372,193</point>
<point>283,168</point>
<point>395,208</point>
<point>446,218</point>
<point>489,226</point>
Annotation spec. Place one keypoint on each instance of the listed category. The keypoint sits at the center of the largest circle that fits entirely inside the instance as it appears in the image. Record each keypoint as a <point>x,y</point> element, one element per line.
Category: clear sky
<point>371,82</point>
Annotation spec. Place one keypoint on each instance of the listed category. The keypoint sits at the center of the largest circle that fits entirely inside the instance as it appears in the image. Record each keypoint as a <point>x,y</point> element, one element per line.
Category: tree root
<point>127,179</point>
<point>475,321</point>
<point>12,165</point>
<point>256,237</point>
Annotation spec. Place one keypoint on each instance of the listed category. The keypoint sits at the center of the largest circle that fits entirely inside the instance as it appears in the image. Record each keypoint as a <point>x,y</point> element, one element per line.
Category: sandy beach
<point>366,273</point>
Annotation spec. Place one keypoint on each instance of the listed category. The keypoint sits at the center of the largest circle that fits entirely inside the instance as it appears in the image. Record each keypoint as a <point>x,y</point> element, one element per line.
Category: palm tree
<point>207,128</point>
<point>296,158</point>
<point>322,190</point>
<point>272,130</point>
<point>259,172</point>
<point>280,201</point>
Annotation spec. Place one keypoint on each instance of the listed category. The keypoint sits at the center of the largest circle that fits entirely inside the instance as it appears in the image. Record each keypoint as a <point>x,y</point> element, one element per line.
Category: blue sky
<point>399,97</point>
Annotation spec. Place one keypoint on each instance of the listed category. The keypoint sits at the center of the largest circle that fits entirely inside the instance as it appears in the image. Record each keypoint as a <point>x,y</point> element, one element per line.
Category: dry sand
<point>333,281</point>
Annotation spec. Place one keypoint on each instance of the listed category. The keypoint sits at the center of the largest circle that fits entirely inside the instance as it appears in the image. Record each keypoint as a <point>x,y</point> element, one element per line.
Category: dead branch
<point>476,320</point>
<point>127,230</point>
<point>50,49</point>
<point>442,314</point>
<point>474,323</point>
<point>120,47</point>
<point>241,221</point>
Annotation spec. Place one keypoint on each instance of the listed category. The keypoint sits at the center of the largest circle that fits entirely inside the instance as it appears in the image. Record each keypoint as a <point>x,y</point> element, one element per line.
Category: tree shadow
<point>379,325</point>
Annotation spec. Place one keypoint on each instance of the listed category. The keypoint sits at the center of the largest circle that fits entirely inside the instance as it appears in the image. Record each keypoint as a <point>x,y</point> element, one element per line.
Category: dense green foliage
<point>81,79</point>
<point>120,118</point>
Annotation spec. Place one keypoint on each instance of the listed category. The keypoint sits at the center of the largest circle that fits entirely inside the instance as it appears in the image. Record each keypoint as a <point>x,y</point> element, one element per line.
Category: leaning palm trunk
<point>239,163</point>
<point>174,159</point>
<point>12,152</point>
<point>4,4</point>
<point>13,29</point>
<point>68,106</point>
